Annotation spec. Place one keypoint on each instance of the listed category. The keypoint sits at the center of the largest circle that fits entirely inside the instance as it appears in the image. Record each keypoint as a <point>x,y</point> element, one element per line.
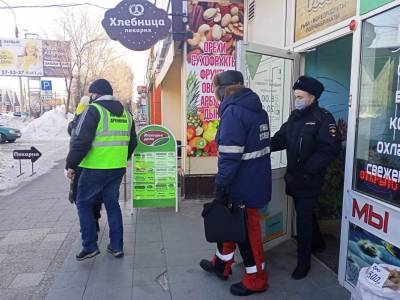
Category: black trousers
<point>308,231</point>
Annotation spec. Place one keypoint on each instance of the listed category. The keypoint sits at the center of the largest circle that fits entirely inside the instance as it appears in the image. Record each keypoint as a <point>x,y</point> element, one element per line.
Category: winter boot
<point>300,271</point>
<point>251,283</point>
<point>217,266</point>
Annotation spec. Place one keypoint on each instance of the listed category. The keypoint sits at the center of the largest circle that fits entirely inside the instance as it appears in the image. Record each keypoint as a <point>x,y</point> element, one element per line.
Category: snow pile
<point>47,133</point>
<point>13,121</point>
<point>50,126</point>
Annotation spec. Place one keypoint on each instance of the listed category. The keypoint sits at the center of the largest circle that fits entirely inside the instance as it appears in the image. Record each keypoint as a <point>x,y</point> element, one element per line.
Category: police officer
<point>244,174</point>
<point>101,145</point>
<point>312,141</point>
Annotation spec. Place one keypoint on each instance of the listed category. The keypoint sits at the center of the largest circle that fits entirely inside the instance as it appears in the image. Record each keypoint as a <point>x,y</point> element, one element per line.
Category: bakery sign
<point>136,24</point>
<point>313,16</point>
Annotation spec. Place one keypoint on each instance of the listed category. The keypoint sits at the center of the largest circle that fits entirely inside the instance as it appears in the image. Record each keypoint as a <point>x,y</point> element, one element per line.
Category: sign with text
<point>377,276</point>
<point>33,154</point>
<point>154,175</point>
<point>136,24</point>
<point>266,76</point>
<point>315,15</point>
<point>21,57</point>
<point>365,249</point>
<point>374,217</point>
<point>216,28</point>
<point>56,58</point>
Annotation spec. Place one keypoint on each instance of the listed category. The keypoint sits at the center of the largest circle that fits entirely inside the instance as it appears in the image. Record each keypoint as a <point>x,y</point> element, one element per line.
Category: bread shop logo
<point>136,10</point>
<point>136,24</point>
<point>154,138</point>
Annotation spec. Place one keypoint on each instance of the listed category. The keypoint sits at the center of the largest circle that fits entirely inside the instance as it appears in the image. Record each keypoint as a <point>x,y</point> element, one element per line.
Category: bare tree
<point>121,77</point>
<point>91,52</point>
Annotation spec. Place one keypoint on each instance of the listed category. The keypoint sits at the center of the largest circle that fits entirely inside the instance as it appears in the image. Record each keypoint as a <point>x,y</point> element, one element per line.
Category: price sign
<point>376,275</point>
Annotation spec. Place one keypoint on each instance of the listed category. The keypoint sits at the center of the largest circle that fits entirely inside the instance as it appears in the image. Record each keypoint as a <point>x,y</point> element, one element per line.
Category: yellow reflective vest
<point>110,145</point>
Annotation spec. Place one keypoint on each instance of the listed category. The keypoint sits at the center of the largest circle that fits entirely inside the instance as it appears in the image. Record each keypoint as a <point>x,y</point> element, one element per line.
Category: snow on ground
<point>51,125</point>
<point>48,134</point>
<point>14,122</point>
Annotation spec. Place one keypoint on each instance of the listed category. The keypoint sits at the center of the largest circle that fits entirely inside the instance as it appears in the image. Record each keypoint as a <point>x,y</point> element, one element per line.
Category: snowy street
<point>48,134</point>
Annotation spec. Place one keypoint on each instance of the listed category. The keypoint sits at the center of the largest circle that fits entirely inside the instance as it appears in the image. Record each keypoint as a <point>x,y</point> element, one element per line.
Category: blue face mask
<point>300,104</point>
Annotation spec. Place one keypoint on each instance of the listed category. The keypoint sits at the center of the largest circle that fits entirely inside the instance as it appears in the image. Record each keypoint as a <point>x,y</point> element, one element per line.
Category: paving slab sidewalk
<point>39,237</point>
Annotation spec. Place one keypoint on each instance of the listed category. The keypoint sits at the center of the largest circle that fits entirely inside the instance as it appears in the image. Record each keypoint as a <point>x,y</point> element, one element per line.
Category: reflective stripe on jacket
<point>243,138</point>
<point>110,146</point>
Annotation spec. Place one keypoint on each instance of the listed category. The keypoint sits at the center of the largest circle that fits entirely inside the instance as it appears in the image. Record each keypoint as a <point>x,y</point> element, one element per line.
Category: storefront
<point>353,47</point>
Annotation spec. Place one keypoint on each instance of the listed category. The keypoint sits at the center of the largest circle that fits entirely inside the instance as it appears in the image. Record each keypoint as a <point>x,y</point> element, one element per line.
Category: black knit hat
<point>309,85</point>
<point>101,87</point>
<point>230,77</point>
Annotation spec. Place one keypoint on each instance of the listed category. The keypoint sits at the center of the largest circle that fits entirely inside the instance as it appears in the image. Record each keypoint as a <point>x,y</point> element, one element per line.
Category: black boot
<point>218,267</point>
<point>238,289</point>
<point>301,271</point>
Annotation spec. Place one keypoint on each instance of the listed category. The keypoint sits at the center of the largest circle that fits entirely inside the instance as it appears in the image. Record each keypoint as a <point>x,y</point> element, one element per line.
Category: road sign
<point>33,155</point>
<point>45,85</point>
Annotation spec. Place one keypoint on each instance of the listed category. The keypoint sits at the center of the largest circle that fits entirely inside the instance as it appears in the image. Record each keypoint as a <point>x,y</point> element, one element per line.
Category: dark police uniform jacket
<point>312,141</point>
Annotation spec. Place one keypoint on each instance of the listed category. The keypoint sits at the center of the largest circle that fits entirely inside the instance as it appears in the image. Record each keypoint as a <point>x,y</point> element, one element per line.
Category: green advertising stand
<point>154,178</point>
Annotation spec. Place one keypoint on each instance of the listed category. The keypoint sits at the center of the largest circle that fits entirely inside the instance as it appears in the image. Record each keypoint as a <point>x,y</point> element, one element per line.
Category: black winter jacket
<point>312,141</point>
<point>83,132</point>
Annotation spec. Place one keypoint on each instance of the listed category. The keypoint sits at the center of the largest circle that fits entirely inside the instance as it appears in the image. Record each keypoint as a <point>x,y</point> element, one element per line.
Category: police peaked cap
<point>227,78</point>
<point>101,87</point>
<point>309,85</point>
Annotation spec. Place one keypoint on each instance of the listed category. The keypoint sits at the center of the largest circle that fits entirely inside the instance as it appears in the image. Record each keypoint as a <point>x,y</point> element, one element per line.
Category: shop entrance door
<point>330,63</point>
<point>270,73</point>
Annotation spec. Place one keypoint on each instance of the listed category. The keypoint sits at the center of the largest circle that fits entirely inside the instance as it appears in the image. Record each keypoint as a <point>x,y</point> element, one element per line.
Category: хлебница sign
<point>136,24</point>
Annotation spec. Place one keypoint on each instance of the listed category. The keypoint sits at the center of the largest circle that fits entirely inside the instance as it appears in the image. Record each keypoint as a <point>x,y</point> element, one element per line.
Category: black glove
<point>221,194</point>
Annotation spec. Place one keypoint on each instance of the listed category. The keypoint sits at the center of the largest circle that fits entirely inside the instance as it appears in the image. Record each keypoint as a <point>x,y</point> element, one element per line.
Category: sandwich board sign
<point>154,172</point>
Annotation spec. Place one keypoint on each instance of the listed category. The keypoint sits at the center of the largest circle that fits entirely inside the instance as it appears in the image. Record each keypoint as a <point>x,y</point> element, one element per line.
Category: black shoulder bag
<point>224,222</point>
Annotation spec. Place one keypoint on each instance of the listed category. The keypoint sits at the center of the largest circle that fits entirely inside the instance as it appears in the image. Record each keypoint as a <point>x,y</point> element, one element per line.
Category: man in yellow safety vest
<point>101,145</point>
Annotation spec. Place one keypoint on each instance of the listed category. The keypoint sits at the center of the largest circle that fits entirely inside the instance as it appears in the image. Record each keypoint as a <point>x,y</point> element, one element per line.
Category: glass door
<point>270,73</point>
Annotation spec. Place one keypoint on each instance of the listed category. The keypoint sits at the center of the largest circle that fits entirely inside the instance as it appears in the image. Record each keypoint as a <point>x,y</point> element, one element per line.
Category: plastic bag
<point>365,291</point>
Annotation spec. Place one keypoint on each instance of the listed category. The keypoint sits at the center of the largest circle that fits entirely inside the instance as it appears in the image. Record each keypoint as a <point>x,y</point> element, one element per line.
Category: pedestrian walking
<point>312,141</point>
<point>101,145</point>
<point>83,103</point>
<point>244,175</point>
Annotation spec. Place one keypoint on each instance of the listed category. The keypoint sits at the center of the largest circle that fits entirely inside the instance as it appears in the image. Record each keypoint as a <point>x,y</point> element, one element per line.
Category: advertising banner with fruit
<point>154,177</point>
<point>216,27</point>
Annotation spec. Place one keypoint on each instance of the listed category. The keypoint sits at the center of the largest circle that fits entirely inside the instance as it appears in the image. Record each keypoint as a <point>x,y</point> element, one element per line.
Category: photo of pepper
<point>221,21</point>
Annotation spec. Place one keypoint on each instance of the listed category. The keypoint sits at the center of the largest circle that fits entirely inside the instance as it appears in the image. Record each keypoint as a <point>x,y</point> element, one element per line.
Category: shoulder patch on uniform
<point>332,129</point>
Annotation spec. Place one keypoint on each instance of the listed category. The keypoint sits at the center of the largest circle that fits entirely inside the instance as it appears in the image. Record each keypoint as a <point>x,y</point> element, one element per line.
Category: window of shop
<point>377,164</point>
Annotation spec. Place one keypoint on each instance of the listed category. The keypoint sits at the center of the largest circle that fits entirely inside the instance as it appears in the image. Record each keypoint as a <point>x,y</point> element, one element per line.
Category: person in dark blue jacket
<point>244,175</point>
<point>312,141</point>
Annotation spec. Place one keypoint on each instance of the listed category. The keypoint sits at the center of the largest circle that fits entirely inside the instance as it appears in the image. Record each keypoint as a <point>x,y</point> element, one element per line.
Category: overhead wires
<point>65,5</point>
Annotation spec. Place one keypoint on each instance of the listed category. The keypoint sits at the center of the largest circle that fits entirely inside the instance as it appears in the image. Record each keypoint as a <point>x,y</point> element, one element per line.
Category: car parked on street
<point>8,134</point>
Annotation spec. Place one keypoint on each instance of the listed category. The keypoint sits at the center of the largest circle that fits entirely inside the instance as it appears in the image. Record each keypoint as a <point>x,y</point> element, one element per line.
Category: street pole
<point>21,95</point>
<point>29,98</point>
